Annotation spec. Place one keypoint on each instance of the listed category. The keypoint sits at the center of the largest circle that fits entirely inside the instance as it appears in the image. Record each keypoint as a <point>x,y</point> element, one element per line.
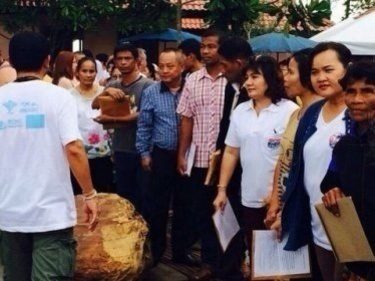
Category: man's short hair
<point>359,71</point>
<point>191,46</point>
<point>126,47</point>
<point>235,47</point>
<point>102,57</point>
<point>176,51</point>
<point>28,50</point>
<point>212,32</point>
<point>88,53</point>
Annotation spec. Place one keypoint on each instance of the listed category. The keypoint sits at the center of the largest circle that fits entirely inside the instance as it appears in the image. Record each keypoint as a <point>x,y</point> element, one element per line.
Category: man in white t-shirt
<point>39,141</point>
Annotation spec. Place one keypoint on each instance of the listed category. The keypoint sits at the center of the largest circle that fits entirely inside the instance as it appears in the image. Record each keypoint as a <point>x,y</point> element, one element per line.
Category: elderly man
<point>157,139</point>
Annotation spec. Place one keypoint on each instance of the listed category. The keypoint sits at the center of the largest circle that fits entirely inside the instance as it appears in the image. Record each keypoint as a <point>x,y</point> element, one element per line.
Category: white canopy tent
<point>358,34</point>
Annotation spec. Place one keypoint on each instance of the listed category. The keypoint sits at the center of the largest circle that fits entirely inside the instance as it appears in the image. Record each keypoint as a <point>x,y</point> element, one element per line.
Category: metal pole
<point>178,19</point>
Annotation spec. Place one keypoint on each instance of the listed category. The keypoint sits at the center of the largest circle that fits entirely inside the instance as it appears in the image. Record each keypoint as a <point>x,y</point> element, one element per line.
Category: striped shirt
<point>158,121</point>
<point>203,100</point>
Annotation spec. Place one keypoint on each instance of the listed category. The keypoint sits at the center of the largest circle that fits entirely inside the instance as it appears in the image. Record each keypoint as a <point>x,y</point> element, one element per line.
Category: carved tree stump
<point>115,250</point>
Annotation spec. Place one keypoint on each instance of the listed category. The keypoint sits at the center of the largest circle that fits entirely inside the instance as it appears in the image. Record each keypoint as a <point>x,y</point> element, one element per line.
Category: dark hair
<point>28,50</point>
<point>102,57</point>
<point>126,47</point>
<point>234,47</point>
<point>359,71</point>
<point>212,32</point>
<point>284,62</point>
<point>88,53</point>
<point>191,46</point>
<point>302,59</point>
<point>63,66</point>
<point>344,55</point>
<point>83,60</point>
<point>268,67</point>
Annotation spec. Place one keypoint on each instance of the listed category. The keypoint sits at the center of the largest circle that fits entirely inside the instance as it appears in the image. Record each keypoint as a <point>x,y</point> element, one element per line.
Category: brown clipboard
<point>275,277</point>
<point>111,107</point>
<point>342,231</point>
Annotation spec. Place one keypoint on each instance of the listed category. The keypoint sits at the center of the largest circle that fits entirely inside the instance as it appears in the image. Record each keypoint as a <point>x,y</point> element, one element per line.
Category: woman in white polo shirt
<point>254,137</point>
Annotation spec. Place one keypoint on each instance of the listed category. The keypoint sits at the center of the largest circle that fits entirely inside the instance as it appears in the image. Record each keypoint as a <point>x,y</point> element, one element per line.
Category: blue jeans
<point>129,177</point>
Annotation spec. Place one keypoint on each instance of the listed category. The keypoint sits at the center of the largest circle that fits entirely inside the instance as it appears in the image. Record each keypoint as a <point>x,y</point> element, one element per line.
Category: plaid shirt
<point>203,100</point>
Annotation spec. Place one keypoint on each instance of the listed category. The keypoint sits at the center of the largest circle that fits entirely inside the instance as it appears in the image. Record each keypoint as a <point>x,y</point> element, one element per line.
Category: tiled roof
<point>193,23</point>
<point>195,5</point>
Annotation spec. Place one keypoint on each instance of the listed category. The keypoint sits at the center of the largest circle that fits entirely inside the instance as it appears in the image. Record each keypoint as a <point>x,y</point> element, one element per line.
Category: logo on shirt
<point>10,105</point>
<point>273,142</point>
<point>334,139</point>
<point>35,121</point>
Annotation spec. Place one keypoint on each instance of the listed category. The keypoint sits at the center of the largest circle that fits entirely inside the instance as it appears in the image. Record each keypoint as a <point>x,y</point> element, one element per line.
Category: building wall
<point>102,40</point>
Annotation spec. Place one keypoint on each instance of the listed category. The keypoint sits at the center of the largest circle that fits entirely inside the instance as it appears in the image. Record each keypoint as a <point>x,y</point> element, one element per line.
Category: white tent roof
<point>357,34</point>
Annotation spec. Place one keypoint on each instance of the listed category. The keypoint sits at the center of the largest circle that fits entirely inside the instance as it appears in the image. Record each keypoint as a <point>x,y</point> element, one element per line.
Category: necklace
<point>26,78</point>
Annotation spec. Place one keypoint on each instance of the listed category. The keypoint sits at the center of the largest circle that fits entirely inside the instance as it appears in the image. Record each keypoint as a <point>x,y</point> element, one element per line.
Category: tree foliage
<point>146,15</point>
<point>357,6</point>
<point>242,16</point>
<point>233,14</point>
<point>303,19</point>
<point>62,20</point>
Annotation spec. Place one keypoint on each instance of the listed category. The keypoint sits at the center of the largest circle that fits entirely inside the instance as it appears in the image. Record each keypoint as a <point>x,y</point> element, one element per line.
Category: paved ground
<point>160,273</point>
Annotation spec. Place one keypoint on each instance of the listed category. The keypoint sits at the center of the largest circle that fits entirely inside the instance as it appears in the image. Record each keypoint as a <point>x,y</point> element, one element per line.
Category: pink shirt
<point>203,100</point>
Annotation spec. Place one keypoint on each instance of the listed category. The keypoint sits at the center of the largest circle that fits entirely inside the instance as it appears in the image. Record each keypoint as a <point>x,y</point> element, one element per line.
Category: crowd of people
<point>286,141</point>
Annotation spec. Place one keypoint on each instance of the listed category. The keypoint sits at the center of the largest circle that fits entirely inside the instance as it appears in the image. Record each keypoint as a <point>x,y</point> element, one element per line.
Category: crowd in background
<point>286,141</point>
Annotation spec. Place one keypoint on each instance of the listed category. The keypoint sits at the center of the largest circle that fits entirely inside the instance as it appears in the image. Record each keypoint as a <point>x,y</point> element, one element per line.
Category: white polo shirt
<point>258,138</point>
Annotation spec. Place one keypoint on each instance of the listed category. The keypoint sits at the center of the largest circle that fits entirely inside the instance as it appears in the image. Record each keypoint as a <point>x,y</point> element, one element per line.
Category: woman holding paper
<point>254,137</point>
<point>95,138</point>
<point>321,127</point>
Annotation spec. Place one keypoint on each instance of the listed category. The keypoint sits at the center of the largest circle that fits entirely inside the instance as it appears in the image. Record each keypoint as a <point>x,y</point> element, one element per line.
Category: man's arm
<point>103,119</point>
<point>144,131</point>
<point>331,185</point>
<point>186,127</point>
<point>79,165</point>
<point>186,134</point>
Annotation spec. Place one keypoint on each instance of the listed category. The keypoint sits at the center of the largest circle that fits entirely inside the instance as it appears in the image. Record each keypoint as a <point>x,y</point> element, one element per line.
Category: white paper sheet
<point>270,260</point>
<point>190,157</point>
<point>226,225</point>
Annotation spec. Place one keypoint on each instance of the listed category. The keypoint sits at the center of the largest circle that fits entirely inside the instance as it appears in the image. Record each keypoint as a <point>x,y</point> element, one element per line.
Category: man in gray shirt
<point>127,163</point>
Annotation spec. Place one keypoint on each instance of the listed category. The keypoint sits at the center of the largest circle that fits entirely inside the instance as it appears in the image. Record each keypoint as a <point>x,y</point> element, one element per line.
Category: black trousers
<point>202,210</point>
<point>101,171</point>
<point>166,185</point>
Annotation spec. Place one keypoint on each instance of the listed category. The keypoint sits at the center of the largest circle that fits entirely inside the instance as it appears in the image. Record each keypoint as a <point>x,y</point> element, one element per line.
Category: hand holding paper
<point>226,225</point>
<point>345,232</point>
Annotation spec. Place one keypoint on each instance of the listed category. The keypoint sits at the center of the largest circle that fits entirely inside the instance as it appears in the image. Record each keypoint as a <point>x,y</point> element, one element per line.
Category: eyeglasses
<point>116,76</point>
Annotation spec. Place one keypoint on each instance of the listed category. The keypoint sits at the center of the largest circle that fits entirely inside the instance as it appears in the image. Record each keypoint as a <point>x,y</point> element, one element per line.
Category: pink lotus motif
<point>94,138</point>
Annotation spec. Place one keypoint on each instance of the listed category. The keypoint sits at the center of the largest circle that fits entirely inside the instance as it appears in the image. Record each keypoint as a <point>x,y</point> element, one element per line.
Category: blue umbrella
<point>166,35</point>
<point>280,43</point>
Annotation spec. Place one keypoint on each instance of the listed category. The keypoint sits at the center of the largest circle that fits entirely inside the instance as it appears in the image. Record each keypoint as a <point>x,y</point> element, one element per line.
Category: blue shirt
<point>158,121</point>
